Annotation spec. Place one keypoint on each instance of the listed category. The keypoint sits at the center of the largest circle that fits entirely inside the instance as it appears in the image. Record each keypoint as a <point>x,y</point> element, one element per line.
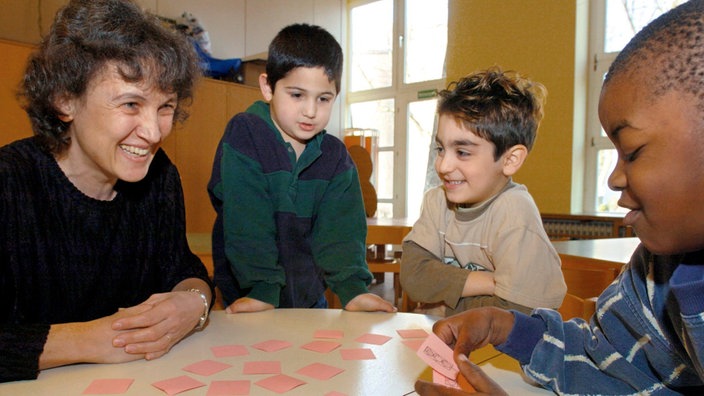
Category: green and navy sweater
<point>285,228</point>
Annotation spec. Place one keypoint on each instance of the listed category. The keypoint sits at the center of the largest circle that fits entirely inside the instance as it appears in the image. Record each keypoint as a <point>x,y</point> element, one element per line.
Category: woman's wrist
<point>206,308</point>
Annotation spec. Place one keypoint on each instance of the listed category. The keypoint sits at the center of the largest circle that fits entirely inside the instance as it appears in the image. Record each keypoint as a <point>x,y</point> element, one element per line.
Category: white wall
<point>243,28</point>
<point>237,28</point>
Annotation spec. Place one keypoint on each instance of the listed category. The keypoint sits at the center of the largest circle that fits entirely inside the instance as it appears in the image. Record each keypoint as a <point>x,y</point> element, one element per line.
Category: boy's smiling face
<point>660,170</point>
<point>465,163</point>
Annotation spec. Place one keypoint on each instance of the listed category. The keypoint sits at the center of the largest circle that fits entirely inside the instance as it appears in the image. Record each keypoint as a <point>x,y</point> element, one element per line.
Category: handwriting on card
<point>438,355</point>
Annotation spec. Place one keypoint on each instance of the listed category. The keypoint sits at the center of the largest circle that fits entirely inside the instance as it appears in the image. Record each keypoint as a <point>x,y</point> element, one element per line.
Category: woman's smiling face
<point>115,130</point>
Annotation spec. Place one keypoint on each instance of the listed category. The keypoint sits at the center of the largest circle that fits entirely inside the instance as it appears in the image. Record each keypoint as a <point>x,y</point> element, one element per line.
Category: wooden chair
<point>576,307</point>
<point>378,237</point>
<point>588,282</point>
<point>585,280</point>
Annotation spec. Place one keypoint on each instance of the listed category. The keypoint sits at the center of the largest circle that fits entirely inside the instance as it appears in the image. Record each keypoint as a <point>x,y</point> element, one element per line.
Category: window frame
<point>599,65</point>
<point>401,93</point>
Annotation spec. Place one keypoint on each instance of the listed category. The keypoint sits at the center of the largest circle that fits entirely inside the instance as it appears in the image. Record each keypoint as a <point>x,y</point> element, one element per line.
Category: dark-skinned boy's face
<point>660,170</point>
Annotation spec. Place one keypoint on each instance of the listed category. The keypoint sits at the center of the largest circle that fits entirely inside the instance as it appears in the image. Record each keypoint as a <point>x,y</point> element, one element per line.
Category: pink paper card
<point>108,386</point>
<point>321,346</point>
<point>228,388</point>
<point>376,339</point>
<point>263,367</point>
<point>320,371</point>
<point>177,385</point>
<point>335,393</point>
<point>334,334</point>
<point>412,333</point>
<point>280,383</point>
<point>206,367</point>
<point>413,343</point>
<point>229,350</point>
<point>439,356</point>
<point>357,354</point>
<point>272,345</point>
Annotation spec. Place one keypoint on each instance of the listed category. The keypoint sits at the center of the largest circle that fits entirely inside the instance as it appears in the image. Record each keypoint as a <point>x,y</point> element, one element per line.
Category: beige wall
<point>537,39</point>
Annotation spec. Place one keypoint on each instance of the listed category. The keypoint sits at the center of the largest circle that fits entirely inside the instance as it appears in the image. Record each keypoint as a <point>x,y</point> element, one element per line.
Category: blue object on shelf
<point>218,68</point>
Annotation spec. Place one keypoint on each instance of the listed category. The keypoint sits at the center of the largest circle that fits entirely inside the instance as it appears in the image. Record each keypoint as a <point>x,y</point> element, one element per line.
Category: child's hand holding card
<point>439,357</point>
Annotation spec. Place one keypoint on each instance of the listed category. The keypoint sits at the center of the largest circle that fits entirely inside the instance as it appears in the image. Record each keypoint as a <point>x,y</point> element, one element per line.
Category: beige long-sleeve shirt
<point>503,235</point>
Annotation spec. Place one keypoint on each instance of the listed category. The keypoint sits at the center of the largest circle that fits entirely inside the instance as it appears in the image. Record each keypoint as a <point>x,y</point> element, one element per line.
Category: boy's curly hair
<point>501,107</point>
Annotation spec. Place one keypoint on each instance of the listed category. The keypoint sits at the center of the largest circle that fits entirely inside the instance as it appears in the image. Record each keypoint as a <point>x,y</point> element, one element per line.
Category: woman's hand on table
<point>87,342</point>
<point>475,376</point>
<point>474,328</point>
<point>369,302</point>
<point>247,304</point>
<point>158,324</point>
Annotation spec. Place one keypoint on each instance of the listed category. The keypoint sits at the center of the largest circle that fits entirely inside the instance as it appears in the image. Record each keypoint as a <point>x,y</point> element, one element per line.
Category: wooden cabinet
<point>15,122</point>
<point>192,146</point>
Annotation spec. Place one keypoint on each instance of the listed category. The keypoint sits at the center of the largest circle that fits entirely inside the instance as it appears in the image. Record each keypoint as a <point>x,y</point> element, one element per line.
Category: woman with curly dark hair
<point>94,262</point>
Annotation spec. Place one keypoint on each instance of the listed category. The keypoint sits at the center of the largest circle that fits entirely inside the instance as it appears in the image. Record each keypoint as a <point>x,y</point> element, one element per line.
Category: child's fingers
<point>425,388</point>
<point>473,379</point>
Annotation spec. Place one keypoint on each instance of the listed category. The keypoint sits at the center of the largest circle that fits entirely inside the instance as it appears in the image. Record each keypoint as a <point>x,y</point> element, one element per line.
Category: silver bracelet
<point>204,317</point>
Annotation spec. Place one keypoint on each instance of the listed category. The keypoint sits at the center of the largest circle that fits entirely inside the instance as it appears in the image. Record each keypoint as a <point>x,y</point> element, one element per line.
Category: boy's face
<point>465,163</point>
<point>301,103</point>
<point>660,169</point>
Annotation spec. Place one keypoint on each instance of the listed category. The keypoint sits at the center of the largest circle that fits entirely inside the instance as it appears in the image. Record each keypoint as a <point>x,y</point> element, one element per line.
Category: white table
<point>393,372</point>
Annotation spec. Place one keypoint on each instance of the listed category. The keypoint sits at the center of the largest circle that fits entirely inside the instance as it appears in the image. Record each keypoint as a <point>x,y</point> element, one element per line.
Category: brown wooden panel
<point>196,141</point>
<point>588,282</point>
<point>576,307</point>
<point>239,97</point>
<point>15,122</point>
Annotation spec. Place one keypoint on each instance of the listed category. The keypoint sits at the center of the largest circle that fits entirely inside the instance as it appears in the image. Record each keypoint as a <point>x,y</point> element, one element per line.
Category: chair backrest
<point>363,160</point>
<point>587,282</point>
<point>576,307</point>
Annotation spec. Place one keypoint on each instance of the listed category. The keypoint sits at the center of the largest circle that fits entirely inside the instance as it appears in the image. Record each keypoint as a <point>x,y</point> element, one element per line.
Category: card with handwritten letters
<point>438,356</point>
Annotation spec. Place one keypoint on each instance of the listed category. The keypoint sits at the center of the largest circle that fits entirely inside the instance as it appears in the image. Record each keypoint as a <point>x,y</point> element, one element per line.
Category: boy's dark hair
<point>303,45</point>
<point>501,107</point>
<point>668,53</point>
<point>87,35</point>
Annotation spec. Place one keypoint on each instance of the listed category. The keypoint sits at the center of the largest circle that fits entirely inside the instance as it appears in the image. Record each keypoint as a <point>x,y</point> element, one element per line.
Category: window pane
<point>421,122</point>
<point>624,18</point>
<point>606,199</point>
<point>425,40</point>
<point>377,114</point>
<point>371,45</point>
<point>385,175</point>
<point>385,210</point>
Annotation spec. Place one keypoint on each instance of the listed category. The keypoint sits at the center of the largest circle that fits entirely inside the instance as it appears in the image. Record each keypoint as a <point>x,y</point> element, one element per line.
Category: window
<point>613,24</point>
<point>395,68</point>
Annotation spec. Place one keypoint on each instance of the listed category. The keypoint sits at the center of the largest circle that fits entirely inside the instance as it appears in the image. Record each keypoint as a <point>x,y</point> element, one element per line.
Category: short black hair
<point>85,37</point>
<point>501,107</point>
<point>668,53</point>
<point>303,45</point>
